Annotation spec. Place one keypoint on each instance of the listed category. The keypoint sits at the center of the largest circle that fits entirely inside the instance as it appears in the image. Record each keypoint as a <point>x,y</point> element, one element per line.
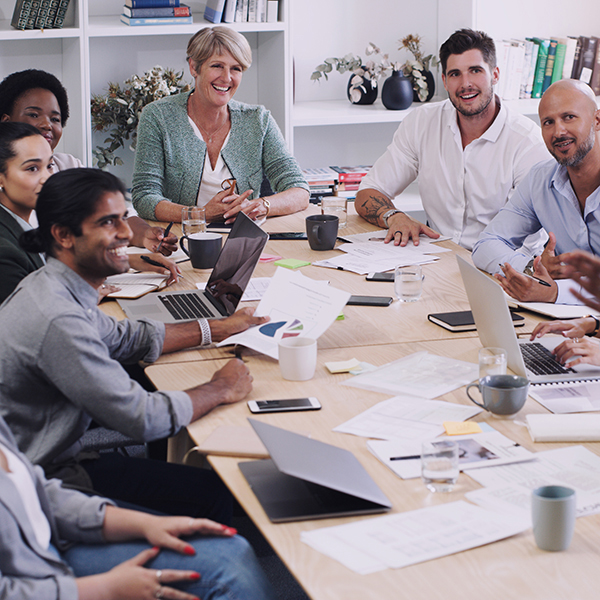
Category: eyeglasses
<point>229,183</point>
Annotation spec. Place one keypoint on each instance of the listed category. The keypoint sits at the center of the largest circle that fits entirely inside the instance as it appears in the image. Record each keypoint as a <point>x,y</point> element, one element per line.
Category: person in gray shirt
<point>60,360</point>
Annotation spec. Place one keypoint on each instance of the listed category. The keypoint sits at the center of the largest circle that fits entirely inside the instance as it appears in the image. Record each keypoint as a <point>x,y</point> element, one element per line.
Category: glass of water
<point>408,283</point>
<point>439,465</point>
<point>193,220</point>
<point>335,205</point>
<point>492,361</point>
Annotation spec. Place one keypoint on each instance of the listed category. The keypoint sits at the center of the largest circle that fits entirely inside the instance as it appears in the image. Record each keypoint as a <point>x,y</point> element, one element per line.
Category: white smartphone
<point>262,406</point>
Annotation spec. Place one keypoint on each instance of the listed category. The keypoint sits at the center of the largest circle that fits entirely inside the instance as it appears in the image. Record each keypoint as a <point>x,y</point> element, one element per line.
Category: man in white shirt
<point>469,152</point>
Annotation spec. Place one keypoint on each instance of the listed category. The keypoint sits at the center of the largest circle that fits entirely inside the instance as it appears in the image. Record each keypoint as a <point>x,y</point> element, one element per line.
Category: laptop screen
<point>235,264</point>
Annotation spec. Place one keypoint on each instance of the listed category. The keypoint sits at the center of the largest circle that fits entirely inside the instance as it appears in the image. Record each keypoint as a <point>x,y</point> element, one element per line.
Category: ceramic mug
<point>322,231</point>
<point>202,248</point>
<point>502,395</point>
<point>553,512</point>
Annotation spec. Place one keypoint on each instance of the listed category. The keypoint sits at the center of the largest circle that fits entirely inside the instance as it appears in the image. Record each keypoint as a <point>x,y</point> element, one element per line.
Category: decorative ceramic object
<point>397,92</point>
<point>363,91</point>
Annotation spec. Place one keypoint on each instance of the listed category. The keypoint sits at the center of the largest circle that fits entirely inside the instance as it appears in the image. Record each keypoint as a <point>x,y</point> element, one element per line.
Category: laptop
<point>226,285</point>
<point>533,360</point>
<point>307,479</point>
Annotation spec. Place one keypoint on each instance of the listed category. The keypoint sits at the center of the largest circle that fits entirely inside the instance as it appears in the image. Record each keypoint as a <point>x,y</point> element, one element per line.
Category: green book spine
<point>549,65</point>
<point>540,68</point>
<point>51,13</point>
<point>559,62</point>
<point>35,6</point>
<point>21,14</point>
<point>40,21</point>
<point>61,10</point>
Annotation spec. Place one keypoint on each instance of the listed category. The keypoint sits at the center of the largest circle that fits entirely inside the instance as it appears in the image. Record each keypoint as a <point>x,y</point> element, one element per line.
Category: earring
<point>1,190</point>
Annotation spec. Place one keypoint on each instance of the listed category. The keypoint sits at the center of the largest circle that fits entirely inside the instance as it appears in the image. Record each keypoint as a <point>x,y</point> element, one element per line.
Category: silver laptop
<point>533,360</point>
<point>308,479</point>
<point>224,289</point>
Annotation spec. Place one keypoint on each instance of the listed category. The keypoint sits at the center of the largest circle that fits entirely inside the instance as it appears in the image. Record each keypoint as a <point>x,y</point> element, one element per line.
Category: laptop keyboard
<point>185,306</point>
<point>540,361</point>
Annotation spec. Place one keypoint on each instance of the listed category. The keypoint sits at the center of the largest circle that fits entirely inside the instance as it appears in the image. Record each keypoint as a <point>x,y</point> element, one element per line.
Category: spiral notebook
<point>568,397</point>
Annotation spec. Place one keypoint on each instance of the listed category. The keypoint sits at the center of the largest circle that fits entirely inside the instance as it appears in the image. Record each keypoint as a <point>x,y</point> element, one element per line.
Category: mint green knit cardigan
<point>170,157</point>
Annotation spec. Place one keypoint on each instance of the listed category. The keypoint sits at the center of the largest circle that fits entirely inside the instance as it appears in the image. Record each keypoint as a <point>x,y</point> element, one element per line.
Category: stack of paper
<point>564,428</point>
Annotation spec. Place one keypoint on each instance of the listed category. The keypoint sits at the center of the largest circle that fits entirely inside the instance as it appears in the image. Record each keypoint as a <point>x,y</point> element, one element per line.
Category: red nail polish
<point>230,530</point>
<point>156,548</point>
<point>189,551</point>
<point>195,576</point>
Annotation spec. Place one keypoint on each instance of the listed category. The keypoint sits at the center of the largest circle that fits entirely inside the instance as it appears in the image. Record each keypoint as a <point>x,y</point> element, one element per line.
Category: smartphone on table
<point>265,406</point>
<point>380,276</point>
<point>370,301</point>
<point>288,235</point>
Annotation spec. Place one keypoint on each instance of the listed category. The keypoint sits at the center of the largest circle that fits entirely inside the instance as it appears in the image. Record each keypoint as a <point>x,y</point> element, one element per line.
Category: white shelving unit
<point>94,48</point>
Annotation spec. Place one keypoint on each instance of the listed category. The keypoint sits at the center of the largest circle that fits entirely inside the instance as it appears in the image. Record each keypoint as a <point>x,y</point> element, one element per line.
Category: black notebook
<point>463,320</point>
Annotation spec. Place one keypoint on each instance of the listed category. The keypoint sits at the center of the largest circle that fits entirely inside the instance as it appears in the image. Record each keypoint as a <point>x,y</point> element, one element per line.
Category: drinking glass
<point>408,283</point>
<point>193,220</point>
<point>335,205</point>
<point>439,465</point>
<point>492,361</point>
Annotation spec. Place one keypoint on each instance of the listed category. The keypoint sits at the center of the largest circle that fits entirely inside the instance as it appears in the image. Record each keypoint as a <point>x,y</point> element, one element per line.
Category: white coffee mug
<point>297,358</point>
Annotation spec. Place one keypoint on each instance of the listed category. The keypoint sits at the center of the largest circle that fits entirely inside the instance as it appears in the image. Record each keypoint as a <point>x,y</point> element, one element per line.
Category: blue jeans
<point>228,566</point>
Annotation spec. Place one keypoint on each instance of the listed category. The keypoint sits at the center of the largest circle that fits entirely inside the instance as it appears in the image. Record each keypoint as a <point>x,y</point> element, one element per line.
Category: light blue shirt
<point>545,199</point>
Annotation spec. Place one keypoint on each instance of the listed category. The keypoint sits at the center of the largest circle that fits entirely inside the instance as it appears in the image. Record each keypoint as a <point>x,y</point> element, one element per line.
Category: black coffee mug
<point>203,249</point>
<point>322,231</point>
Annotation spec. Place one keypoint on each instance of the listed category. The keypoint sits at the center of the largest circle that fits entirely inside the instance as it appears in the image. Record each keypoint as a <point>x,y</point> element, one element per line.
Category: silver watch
<point>386,215</point>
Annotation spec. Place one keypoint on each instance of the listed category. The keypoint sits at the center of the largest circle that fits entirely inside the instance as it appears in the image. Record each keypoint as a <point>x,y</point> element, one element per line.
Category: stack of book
<point>242,11</point>
<point>156,12</point>
<point>39,14</point>
<point>322,182</point>
<point>349,178</point>
<point>528,67</point>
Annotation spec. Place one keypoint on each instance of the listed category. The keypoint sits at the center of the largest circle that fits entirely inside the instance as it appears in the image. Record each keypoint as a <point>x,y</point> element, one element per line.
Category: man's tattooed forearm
<point>375,206</point>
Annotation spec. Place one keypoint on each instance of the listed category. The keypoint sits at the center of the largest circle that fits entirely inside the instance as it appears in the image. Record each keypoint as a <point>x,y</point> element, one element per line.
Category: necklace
<point>208,137</point>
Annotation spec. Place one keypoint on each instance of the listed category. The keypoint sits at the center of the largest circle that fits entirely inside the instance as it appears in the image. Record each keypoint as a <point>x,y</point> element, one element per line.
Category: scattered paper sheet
<point>178,256</point>
<point>395,417</point>
<point>568,397</point>
<point>420,374</point>
<point>297,306</point>
<point>412,537</point>
<point>564,428</point>
<point>575,467</point>
<point>255,290</point>
<point>379,236</point>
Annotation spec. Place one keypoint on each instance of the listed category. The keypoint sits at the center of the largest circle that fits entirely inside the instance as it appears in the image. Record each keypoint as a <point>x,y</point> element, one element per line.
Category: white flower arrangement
<point>119,110</point>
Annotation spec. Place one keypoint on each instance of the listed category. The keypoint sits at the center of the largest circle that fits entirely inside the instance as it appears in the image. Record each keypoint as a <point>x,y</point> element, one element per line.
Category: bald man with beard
<point>561,196</point>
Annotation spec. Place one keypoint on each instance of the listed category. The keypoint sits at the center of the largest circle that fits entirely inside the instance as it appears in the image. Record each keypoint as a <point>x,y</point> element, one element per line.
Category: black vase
<point>397,92</point>
<point>430,79</point>
<point>366,97</point>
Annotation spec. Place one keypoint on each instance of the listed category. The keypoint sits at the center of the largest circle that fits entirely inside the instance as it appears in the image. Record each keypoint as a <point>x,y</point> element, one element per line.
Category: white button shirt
<point>461,190</point>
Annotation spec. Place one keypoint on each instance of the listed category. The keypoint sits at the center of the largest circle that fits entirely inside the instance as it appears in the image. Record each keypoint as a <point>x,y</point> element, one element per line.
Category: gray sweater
<point>170,157</point>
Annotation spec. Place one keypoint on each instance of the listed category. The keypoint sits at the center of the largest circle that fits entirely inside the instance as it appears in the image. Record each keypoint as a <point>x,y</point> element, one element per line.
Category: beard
<point>486,97</point>
<point>582,150</point>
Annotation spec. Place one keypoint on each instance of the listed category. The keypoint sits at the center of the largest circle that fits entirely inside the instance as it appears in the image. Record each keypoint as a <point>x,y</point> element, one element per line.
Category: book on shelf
<point>351,174</point>
<point>549,65</point>
<point>595,79</point>
<point>33,11</point>
<point>540,68</point>
<point>20,14</point>
<point>133,22</point>
<point>51,16</point>
<point>571,44</point>
<point>150,3</point>
<point>42,15</point>
<point>183,10</point>
<point>527,73</point>
<point>588,58</point>
<point>229,11</point>
<point>241,11</point>
<point>214,10</point>
<point>252,11</point>
<point>272,11</point>
<point>559,59</point>
<point>61,11</point>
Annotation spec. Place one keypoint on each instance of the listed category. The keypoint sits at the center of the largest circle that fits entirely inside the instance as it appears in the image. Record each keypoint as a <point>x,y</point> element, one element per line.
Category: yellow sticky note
<point>291,263</point>
<point>342,366</point>
<point>461,428</point>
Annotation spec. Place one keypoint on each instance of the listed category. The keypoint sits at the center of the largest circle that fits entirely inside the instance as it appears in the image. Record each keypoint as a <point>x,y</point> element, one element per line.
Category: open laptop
<point>225,287</point>
<point>308,479</point>
<point>533,360</point>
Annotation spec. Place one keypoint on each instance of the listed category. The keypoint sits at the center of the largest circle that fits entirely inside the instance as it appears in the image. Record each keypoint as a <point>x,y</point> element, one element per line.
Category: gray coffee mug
<point>203,249</point>
<point>322,231</point>
<point>501,394</point>
<point>553,512</point>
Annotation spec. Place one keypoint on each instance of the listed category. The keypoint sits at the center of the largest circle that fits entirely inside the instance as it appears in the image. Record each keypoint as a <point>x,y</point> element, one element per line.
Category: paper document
<point>574,467</point>
<point>395,417</point>
<point>297,306</point>
<point>255,290</point>
<point>379,236</point>
<point>415,536</point>
<point>556,311</point>
<point>568,397</point>
<point>564,428</point>
<point>178,256</point>
<point>420,374</point>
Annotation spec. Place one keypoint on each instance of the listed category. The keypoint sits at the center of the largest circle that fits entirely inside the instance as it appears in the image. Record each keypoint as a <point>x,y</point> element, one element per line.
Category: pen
<point>151,261</point>
<point>532,277</point>
<point>165,234</point>
<point>413,457</point>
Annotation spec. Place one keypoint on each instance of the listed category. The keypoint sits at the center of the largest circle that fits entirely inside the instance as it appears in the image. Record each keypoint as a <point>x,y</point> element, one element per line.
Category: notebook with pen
<point>308,479</point>
<point>226,285</point>
<point>533,360</point>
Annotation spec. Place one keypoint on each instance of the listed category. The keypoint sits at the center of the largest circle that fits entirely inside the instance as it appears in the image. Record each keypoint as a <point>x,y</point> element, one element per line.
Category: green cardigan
<point>170,157</point>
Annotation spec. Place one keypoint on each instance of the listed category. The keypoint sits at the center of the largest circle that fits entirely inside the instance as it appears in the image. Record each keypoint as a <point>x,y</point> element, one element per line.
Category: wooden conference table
<point>512,568</point>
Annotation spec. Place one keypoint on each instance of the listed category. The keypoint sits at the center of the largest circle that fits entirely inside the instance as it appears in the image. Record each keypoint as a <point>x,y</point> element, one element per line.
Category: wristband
<point>267,205</point>
<point>205,335</point>
<point>596,328</point>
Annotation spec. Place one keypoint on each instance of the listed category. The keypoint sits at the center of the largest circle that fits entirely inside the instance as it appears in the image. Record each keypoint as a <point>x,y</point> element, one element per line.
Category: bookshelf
<point>94,48</point>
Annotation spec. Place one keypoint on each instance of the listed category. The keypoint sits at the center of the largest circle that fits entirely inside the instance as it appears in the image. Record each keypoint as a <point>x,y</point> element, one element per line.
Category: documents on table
<point>420,374</point>
<point>134,285</point>
<point>568,397</point>
<point>396,541</point>
<point>255,289</point>
<point>297,306</point>
<point>488,449</point>
<point>564,428</point>
<point>510,486</point>
<point>366,257</point>
<point>178,256</point>
<point>379,235</point>
<point>551,309</point>
<point>396,417</point>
